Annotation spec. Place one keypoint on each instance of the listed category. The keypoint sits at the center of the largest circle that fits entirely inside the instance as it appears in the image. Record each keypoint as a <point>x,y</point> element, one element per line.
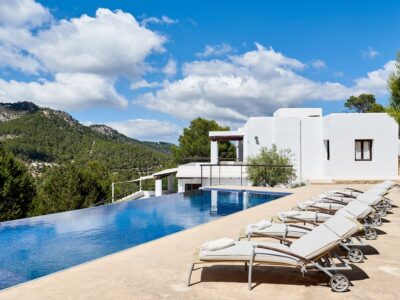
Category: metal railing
<point>238,165</point>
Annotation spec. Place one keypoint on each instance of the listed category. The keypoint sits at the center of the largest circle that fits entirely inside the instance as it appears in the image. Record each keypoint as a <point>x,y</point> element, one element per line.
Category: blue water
<point>34,247</point>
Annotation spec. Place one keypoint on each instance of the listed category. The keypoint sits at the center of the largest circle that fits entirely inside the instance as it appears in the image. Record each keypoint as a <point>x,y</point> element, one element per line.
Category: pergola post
<point>158,187</point>
<point>214,152</point>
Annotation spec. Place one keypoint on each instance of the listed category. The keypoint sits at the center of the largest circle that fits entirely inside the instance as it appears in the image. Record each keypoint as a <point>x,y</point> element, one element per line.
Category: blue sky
<point>148,67</point>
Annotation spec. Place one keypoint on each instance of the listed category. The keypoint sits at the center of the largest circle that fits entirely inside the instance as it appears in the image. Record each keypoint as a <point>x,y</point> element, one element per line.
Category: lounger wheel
<point>355,255</point>
<point>377,221</point>
<point>339,283</point>
<point>381,212</point>
<point>371,234</point>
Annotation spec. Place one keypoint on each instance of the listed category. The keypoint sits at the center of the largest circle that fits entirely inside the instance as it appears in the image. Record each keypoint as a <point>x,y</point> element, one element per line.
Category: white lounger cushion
<point>355,210</point>
<point>376,191</point>
<point>322,238</point>
<point>242,251</point>
<point>342,226</point>
<point>219,244</point>
<point>305,215</point>
<point>369,199</point>
<point>278,229</point>
<point>387,184</point>
<point>313,204</point>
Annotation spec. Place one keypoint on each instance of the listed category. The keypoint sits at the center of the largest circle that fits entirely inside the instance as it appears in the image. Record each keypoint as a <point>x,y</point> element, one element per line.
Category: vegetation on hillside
<point>73,165</point>
<point>194,143</point>
<point>17,187</point>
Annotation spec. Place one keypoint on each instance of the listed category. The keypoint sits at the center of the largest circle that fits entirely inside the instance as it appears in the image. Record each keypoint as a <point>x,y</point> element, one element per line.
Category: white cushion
<point>315,242</point>
<point>242,251</point>
<point>278,229</point>
<point>369,199</point>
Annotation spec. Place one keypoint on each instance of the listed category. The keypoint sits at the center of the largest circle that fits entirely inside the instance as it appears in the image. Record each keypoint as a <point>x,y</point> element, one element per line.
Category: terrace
<point>158,269</point>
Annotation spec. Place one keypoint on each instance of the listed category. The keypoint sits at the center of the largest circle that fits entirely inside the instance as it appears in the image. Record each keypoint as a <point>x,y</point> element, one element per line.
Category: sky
<point>147,68</point>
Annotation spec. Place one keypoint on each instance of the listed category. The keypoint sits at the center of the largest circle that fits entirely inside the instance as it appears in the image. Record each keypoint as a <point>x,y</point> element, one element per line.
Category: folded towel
<point>261,225</point>
<point>218,244</point>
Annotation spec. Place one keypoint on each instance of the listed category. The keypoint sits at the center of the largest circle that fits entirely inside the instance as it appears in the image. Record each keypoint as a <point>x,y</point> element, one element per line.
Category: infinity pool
<point>34,247</point>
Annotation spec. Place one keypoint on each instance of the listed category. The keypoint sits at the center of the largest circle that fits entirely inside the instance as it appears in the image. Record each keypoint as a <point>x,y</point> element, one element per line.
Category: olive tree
<point>271,167</point>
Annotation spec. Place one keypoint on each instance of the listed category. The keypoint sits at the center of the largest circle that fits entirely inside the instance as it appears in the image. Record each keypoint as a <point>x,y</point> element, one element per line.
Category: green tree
<point>363,103</point>
<point>394,89</point>
<point>194,143</point>
<point>271,176</point>
<point>17,188</point>
<point>72,187</point>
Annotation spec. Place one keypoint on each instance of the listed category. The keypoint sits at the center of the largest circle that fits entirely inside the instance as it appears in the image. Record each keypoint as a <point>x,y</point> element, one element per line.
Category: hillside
<point>42,135</point>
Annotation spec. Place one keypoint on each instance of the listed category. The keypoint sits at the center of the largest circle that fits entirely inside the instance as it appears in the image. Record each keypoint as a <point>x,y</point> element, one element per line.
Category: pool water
<point>34,247</point>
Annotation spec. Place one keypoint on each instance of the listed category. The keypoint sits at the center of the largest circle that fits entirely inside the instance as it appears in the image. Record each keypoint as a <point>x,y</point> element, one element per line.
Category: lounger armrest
<point>354,190</point>
<point>305,260</point>
<point>345,195</point>
<point>272,237</point>
<point>325,210</point>
<point>301,227</point>
<point>334,200</point>
<point>302,221</point>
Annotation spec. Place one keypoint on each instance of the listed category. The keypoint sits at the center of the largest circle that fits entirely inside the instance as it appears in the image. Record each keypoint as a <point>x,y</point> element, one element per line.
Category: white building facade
<point>336,147</point>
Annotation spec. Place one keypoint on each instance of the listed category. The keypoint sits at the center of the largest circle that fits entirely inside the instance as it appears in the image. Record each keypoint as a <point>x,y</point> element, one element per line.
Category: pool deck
<point>158,269</point>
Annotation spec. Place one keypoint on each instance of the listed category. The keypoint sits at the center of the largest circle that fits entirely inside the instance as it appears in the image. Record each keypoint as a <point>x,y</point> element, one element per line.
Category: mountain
<point>45,136</point>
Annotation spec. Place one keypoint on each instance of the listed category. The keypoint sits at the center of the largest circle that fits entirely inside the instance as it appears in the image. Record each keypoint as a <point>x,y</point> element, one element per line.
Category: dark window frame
<point>328,149</point>
<point>362,141</point>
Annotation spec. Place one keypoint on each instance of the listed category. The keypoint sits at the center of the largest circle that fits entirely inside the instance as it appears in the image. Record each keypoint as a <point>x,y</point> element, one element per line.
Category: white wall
<point>261,127</point>
<point>312,148</point>
<point>343,129</point>
<point>287,136</point>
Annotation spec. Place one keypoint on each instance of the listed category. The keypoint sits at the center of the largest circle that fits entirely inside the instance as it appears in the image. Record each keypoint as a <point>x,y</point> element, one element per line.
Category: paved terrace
<point>158,269</point>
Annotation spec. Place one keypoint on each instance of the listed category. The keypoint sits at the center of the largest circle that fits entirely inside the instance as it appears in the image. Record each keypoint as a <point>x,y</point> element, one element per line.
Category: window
<point>327,149</point>
<point>363,150</point>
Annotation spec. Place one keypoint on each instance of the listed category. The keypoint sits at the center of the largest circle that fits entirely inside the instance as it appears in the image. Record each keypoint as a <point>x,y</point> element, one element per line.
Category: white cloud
<point>163,20</point>
<point>215,50</point>
<point>96,50</point>
<point>318,64</point>
<point>144,84</point>
<point>147,129</point>
<point>376,81</point>
<point>370,53</point>
<point>26,13</point>
<point>11,57</point>
<point>66,91</point>
<point>252,84</point>
<point>170,68</point>
<point>111,43</point>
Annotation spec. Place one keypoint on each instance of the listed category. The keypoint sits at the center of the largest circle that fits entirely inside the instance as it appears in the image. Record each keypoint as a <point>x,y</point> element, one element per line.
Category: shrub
<point>277,170</point>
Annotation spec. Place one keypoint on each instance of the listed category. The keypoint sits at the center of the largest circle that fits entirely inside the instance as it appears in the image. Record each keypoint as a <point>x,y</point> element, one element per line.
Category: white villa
<point>336,147</point>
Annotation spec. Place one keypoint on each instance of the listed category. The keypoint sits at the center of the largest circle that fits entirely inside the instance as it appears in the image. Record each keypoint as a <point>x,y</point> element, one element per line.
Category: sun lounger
<point>294,231</point>
<point>332,204</point>
<point>313,251</point>
<point>355,210</point>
